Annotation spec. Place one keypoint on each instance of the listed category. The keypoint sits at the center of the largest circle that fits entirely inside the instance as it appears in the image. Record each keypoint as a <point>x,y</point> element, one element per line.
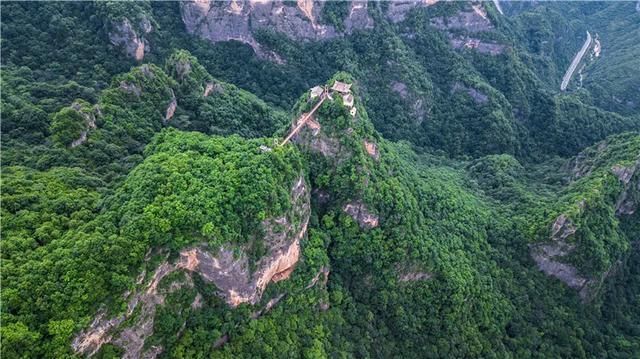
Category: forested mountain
<point>437,194</point>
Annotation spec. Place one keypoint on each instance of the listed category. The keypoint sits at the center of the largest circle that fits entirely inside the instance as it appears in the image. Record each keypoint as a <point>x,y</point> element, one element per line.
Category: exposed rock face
<point>414,276</point>
<point>207,90</point>
<point>413,101</point>
<point>548,257</point>
<point>359,212</point>
<point>314,139</point>
<point>400,88</point>
<point>490,48</point>
<point>372,149</point>
<point>135,44</point>
<point>132,339</point>
<point>624,174</point>
<point>237,19</point>
<point>230,274</point>
<point>630,178</point>
<point>90,341</point>
<point>477,96</point>
<point>397,10</point>
<point>562,228</point>
<point>270,304</point>
<point>183,68</point>
<point>324,273</point>
<point>89,121</point>
<point>358,17</point>
<point>130,88</point>
<point>171,109</point>
<point>212,88</point>
<point>472,21</point>
<point>625,204</point>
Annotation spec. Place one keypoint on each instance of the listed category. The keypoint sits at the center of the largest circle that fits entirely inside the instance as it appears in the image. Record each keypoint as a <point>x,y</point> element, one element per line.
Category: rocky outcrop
<point>312,138</point>
<point>212,88</point>
<point>224,268</point>
<point>498,7</point>
<point>358,18</point>
<point>171,109</point>
<point>471,21</point>
<point>397,10</point>
<point>627,202</point>
<point>626,205</point>
<point>322,273</point>
<point>238,19</point>
<point>562,228</point>
<point>230,272</point>
<point>549,258</point>
<point>361,214</point>
<point>89,123</point>
<point>490,48</point>
<point>548,255</point>
<point>412,100</point>
<point>414,276</point>
<point>130,88</point>
<point>400,88</point>
<point>134,42</point>
<point>624,174</point>
<point>98,333</point>
<point>476,95</point>
<point>372,149</point>
<point>132,338</point>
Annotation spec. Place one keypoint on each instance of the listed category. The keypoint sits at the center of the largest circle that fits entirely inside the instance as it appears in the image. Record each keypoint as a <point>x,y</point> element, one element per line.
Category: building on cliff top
<point>347,100</point>
<point>341,87</point>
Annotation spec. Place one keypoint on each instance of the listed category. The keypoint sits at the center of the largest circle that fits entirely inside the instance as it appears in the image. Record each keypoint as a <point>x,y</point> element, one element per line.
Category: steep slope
<point>109,135</point>
<point>414,58</point>
<point>255,205</point>
<point>586,240</point>
<point>410,58</point>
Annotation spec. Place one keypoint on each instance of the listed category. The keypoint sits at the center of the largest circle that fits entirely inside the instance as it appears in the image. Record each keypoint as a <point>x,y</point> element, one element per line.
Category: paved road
<point>497,4</point>
<point>575,63</point>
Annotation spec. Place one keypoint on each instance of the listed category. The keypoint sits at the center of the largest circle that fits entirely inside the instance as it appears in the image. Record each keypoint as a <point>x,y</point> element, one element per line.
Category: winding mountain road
<point>575,63</point>
<point>498,7</point>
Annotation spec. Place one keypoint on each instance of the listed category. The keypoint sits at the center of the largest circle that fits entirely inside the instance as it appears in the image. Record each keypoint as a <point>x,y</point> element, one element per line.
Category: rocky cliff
<point>302,20</point>
<point>226,267</point>
<point>132,37</point>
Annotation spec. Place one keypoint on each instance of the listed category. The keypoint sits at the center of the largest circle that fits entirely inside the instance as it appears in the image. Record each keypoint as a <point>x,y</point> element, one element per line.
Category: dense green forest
<point>452,202</point>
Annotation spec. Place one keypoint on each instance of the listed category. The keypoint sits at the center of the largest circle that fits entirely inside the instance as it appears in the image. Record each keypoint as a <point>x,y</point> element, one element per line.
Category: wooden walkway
<point>305,117</point>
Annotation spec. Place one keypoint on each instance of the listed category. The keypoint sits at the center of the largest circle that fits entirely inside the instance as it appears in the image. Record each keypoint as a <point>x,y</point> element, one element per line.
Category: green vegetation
<point>66,249</point>
<point>426,204</point>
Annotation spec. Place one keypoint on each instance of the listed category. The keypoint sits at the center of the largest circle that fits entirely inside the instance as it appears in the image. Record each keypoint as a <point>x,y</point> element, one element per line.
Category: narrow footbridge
<point>305,117</point>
